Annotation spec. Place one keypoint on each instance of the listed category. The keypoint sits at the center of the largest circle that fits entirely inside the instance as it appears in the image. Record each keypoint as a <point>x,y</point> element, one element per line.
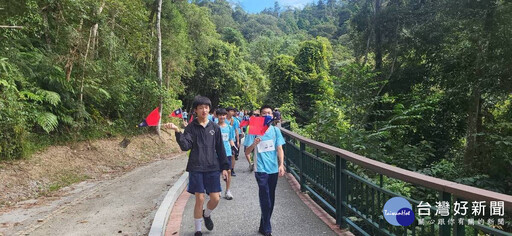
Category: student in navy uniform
<point>269,164</point>
<point>228,137</point>
<point>204,139</point>
<point>277,115</point>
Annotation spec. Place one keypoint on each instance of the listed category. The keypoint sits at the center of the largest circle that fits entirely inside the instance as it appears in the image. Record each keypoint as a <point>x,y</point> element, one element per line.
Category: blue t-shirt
<point>266,160</point>
<point>236,123</point>
<point>228,134</point>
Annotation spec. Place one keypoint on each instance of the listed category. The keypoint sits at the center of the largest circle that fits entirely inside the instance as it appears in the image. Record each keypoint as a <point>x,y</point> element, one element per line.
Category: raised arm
<point>252,145</point>
<point>185,140</point>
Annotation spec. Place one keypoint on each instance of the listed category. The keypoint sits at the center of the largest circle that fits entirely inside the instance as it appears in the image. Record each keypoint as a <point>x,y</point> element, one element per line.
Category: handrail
<point>462,191</point>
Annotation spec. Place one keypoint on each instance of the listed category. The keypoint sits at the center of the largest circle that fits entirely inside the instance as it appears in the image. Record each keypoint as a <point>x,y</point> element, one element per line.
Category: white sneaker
<point>228,195</point>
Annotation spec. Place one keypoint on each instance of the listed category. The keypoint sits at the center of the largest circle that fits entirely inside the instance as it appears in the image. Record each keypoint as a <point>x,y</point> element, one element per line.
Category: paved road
<point>241,215</point>
<point>122,206</point>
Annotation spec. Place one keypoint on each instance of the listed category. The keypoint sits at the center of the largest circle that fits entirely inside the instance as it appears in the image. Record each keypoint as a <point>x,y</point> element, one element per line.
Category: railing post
<point>337,188</point>
<point>286,146</point>
<point>301,166</point>
<point>341,191</point>
<point>459,229</point>
<point>444,230</point>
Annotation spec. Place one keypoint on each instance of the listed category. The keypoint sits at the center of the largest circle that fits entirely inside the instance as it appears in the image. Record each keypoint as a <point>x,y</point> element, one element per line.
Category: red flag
<point>245,122</point>
<point>152,119</point>
<point>177,113</point>
<point>191,118</point>
<point>257,125</point>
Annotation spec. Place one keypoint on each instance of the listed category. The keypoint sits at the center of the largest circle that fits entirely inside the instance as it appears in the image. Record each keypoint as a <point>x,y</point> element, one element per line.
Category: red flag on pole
<point>152,119</point>
<point>191,118</point>
<point>257,125</point>
<point>177,113</point>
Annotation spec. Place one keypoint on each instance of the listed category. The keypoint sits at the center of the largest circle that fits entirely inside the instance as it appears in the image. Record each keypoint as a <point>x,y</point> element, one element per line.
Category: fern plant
<point>47,120</point>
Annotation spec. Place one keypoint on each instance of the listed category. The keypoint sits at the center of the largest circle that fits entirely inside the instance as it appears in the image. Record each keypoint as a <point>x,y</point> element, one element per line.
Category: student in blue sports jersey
<point>269,164</point>
<point>206,160</point>
<point>233,121</point>
<point>228,137</point>
<point>241,115</point>
<point>211,115</point>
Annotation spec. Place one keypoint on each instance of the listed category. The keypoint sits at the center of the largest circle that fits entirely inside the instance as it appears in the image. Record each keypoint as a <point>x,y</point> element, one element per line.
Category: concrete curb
<point>163,212</point>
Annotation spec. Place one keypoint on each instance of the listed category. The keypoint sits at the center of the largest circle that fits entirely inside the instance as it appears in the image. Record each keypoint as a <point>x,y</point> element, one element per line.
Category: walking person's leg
<point>248,157</point>
<point>228,185</point>
<point>272,183</point>
<point>265,202</point>
<point>233,165</point>
<point>212,203</point>
<point>198,211</point>
<point>196,187</point>
<point>212,186</point>
<point>227,194</point>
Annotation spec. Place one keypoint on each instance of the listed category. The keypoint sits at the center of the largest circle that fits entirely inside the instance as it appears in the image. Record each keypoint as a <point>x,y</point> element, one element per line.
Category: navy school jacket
<point>203,143</point>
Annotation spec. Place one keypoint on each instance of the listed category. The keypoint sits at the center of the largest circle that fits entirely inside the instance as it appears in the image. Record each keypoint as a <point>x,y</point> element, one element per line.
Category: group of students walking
<point>214,143</point>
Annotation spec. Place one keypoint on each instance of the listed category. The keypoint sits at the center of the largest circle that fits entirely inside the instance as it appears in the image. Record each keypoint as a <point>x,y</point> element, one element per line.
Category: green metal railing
<point>354,189</point>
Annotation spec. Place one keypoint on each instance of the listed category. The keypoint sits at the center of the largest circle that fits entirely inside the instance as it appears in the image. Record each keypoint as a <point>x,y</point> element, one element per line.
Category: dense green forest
<point>420,84</point>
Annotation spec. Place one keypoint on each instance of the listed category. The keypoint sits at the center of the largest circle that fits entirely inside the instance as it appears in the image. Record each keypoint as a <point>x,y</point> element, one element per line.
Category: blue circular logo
<point>398,212</point>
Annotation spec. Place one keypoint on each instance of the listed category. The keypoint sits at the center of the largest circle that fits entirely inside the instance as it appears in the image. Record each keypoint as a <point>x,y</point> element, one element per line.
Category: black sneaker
<point>208,222</point>
<point>233,172</point>
<point>263,233</point>
<point>198,233</point>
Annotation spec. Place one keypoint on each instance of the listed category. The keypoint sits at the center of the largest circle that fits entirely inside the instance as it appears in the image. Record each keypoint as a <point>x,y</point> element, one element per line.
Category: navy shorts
<point>200,182</point>
<point>229,161</point>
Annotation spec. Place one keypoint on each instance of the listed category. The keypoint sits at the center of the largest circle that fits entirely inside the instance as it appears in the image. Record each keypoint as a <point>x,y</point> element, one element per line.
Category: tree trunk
<point>72,54</point>
<point>475,122</point>
<point>159,59</point>
<point>93,32</point>
<point>474,114</point>
<point>378,37</point>
<point>367,48</point>
<point>94,28</point>
<point>11,27</point>
<point>46,30</point>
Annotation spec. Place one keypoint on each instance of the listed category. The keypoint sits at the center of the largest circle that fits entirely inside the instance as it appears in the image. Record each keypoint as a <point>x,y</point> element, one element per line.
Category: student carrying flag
<point>206,160</point>
<point>267,141</point>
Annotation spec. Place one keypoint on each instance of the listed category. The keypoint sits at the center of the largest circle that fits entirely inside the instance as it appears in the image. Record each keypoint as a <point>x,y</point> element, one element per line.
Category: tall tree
<point>159,59</point>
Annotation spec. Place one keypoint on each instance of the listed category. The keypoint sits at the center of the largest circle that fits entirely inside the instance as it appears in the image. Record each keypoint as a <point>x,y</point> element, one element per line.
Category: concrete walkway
<point>241,216</point>
<point>124,205</point>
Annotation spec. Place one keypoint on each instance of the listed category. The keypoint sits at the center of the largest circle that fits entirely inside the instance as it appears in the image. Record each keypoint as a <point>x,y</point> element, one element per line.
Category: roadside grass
<point>64,179</point>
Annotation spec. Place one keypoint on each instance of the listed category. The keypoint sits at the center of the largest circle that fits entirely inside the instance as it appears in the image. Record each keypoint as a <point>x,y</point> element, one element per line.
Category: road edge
<point>162,215</point>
